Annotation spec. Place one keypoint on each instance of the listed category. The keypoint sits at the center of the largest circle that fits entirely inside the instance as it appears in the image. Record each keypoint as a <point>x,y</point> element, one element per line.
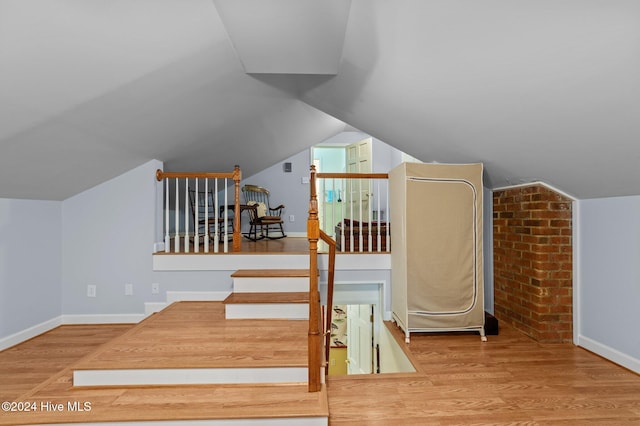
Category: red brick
<point>532,249</point>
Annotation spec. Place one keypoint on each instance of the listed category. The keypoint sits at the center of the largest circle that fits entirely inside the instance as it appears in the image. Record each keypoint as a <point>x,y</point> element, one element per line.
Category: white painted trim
<point>153,307</point>
<point>188,296</point>
<point>29,333</point>
<point>534,183</point>
<point>609,353</point>
<point>229,262</point>
<point>233,262</point>
<point>358,261</point>
<point>293,421</point>
<point>188,376</point>
<point>576,285</point>
<point>292,311</point>
<point>75,319</point>
<point>296,234</point>
<point>268,284</point>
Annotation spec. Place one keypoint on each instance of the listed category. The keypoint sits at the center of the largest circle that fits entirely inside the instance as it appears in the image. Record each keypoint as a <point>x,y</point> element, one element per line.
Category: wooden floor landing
<point>196,335</point>
<point>509,380</point>
<point>184,335</point>
<point>294,245</point>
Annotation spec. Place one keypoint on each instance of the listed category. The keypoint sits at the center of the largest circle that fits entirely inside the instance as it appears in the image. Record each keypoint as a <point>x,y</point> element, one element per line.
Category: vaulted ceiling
<point>537,90</point>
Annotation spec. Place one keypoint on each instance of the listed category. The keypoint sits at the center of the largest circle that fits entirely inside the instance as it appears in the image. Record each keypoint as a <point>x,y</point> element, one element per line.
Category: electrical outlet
<point>155,288</point>
<point>91,290</point>
<point>128,289</point>
<point>292,218</point>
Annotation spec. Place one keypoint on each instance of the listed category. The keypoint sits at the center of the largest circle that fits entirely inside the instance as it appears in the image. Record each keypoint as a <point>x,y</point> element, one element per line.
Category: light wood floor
<point>509,380</point>
<point>283,245</point>
<point>196,335</point>
<point>293,245</point>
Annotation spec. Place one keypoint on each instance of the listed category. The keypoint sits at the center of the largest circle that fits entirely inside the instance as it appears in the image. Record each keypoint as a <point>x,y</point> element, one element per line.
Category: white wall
<point>30,255</point>
<point>608,278</point>
<point>487,248</point>
<point>108,237</point>
<point>288,189</point>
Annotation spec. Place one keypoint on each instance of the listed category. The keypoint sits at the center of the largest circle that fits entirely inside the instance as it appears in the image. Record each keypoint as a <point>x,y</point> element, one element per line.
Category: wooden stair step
<point>267,298</point>
<point>173,338</point>
<point>270,273</point>
<point>290,404</point>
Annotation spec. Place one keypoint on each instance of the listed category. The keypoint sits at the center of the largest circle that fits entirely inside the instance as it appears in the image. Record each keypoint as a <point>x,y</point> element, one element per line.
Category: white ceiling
<point>537,90</point>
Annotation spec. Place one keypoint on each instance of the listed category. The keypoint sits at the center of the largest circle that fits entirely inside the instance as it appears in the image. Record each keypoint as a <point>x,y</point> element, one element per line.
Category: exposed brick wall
<point>533,273</point>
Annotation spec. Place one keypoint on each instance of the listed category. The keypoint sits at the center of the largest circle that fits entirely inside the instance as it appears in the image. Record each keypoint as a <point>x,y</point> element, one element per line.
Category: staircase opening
<point>360,340</point>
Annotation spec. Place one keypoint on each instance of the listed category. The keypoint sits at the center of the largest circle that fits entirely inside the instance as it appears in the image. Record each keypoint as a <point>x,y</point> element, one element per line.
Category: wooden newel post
<point>237,177</point>
<point>315,338</point>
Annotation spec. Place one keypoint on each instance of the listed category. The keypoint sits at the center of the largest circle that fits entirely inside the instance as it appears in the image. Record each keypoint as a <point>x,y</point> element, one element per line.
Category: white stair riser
<point>189,376</point>
<point>270,284</point>
<point>267,311</point>
<point>257,421</point>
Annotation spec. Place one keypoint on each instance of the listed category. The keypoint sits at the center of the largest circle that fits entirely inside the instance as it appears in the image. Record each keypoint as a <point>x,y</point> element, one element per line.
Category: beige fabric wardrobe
<point>436,256</point>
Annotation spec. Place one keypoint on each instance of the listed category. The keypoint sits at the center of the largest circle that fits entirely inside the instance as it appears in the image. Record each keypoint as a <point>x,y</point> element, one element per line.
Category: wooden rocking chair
<point>261,214</point>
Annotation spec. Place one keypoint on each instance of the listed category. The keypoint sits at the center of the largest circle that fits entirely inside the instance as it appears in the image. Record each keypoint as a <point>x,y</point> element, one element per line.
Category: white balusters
<point>206,218</point>
<point>176,238</point>
<point>216,229</point>
<point>360,215</point>
<point>167,238</point>
<point>196,216</point>
<point>210,219</point>
<point>226,218</point>
<point>378,238</point>
<point>186,216</point>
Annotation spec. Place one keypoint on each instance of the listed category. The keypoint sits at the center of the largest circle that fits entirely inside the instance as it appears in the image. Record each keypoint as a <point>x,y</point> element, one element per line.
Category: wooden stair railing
<point>235,175</point>
<point>316,343</point>
<point>330,283</point>
<point>317,357</point>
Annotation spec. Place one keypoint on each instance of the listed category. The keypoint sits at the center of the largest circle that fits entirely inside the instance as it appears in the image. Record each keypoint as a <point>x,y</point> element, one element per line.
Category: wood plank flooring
<point>184,335</point>
<point>29,364</point>
<point>509,380</point>
<point>292,245</point>
<point>196,335</point>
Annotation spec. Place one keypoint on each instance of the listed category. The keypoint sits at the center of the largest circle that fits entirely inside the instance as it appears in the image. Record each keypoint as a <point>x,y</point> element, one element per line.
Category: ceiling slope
<point>68,125</point>
<point>542,90</point>
<point>286,36</point>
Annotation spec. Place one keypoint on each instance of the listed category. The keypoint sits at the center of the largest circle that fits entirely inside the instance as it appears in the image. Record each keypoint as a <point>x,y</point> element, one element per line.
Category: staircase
<point>242,361</point>
<point>269,293</point>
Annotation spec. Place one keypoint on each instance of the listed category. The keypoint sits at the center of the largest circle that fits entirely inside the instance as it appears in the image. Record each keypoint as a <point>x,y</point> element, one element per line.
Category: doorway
<point>358,314</point>
<point>337,198</point>
<point>352,340</point>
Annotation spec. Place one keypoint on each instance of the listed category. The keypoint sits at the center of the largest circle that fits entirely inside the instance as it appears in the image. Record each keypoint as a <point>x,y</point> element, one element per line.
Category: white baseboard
<point>181,296</point>
<point>29,333</point>
<point>76,319</point>
<point>296,234</point>
<point>153,307</point>
<point>609,353</point>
